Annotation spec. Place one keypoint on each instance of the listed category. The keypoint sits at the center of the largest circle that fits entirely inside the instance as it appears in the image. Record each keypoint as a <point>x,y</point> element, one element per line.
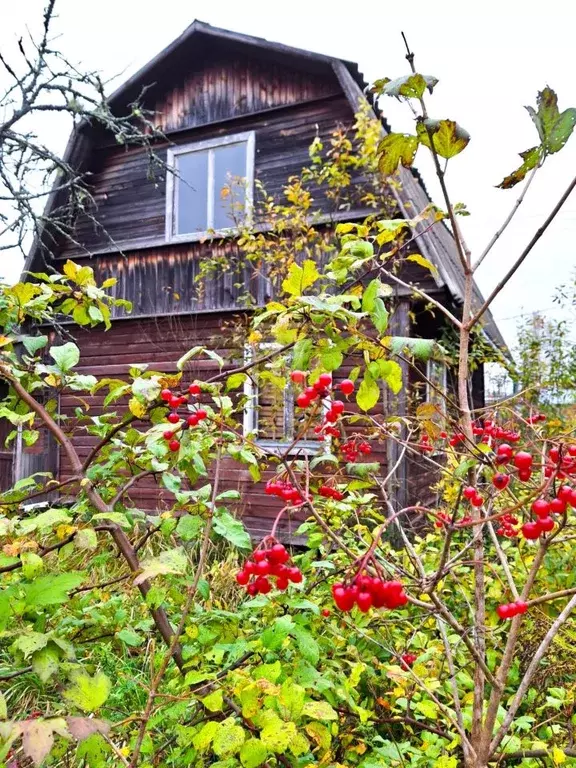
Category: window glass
<point>192,181</point>
<point>229,185</point>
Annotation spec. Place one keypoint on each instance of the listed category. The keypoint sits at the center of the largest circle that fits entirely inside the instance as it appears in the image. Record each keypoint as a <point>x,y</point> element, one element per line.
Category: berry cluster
<point>561,461</point>
<point>269,559</point>
<point>507,529</point>
<point>425,445</point>
<point>330,493</point>
<point>369,592</point>
<point>191,419</point>
<point>407,660</point>
<point>443,519</point>
<point>285,491</point>
<point>352,448</point>
<point>475,498</point>
<point>509,610</point>
<point>318,391</point>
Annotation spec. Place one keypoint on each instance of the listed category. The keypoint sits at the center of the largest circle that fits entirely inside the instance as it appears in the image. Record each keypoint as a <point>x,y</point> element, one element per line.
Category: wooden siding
<point>130,192</point>
<point>227,87</point>
<point>160,342</point>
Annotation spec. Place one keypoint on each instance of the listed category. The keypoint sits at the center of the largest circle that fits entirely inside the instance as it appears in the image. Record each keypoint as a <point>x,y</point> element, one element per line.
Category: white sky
<point>491,58</point>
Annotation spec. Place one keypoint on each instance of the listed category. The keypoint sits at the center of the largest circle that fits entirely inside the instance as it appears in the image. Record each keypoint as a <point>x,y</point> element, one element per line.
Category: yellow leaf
<point>423,262</point>
<point>52,380</point>
<point>255,337</point>
<point>65,530</point>
<point>136,408</point>
<point>70,269</point>
<point>558,756</point>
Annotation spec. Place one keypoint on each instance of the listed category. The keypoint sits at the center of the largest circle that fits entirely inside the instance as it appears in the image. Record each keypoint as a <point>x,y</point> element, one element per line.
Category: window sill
<point>304,447</point>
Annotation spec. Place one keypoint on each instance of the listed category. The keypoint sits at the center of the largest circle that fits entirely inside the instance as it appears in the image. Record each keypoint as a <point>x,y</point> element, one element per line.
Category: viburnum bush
<point>426,635</point>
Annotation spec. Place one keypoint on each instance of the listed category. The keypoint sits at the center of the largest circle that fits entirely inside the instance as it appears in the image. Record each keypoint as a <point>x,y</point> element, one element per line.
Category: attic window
<point>209,191</point>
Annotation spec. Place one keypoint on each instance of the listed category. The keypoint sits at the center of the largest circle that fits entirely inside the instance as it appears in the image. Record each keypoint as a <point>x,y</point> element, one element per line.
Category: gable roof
<point>437,244</point>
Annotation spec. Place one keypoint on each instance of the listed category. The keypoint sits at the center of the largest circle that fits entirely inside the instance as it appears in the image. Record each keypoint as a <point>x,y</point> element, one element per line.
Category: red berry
<point>523,460</point>
<point>174,402</point>
<point>477,501</point>
<point>572,450</point>
<point>469,492</point>
<point>294,574</point>
<point>173,418</point>
<point>278,554</point>
<point>500,481</point>
<point>558,506</point>
<point>192,420</point>
<point>346,387</point>
<point>541,508</point>
<point>168,435</point>
<point>554,454</point>
<point>259,555</point>
<point>303,401</point>
<point>201,414</point>
<point>166,395</point>
<point>263,585</point>
<point>174,445</point>
<point>242,578</point>
<point>250,567</point>
<point>324,381</point>
<point>531,530</point>
<point>194,388</point>
<point>298,377</point>
<point>263,568</point>
<point>325,612</point>
<point>337,407</point>
<point>524,475</point>
<point>505,611</point>
<point>504,450</point>
<point>521,606</point>
<point>343,597</point>
<point>546,524</point>
<point>565,493</point>
<point>282,583</point>
<point>364,601</point>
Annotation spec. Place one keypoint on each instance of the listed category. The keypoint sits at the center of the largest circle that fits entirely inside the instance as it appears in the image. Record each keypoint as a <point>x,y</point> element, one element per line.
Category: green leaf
<point>449,138</point>
<point>169,561</point>
<point>235,380</point>
<point>52,590</point>
<point>530,159</point>
<point>45,662</point>
<point>214,701</point>
<point>320,710</point>
<point>331,358</point>
<point>205,736</point>
<point>301,354</point>
<point>368,393</point>
<point>253,753</point>
<point>41,522</point>
<point>362,469</point>
<point>423,349</point>
<point>428,708</point>
<point>561,131</point>
<point>396,149</point>
<point>307,645</point>
<point>379,315</point>
<point>277,734</point>
<point>291,700</point>
<point>228,738</point>
<point>32,564</point>
<point>189,527</point>
<point>86,539</point>
<point>129,637</point>
<point>33,343</point>
<point>231,529</point>
<point>29,643</point>
<point>146,389</point>
<point>410,86</point>
<point>3,707</point>
<point>273,637</point>
<point>391,372</point>
<point>86,692</point>
<point>300,277</point>
<point>65,356</point>
<point>371,291</point>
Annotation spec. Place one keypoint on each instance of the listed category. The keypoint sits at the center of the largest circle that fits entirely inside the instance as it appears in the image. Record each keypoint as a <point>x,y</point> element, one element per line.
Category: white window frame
<point>250,418</point>
<point>172,186</point>
<point>431,393</point>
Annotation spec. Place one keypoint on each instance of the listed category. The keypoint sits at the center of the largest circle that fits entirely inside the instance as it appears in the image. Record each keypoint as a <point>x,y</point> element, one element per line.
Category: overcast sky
<point>491,59</point>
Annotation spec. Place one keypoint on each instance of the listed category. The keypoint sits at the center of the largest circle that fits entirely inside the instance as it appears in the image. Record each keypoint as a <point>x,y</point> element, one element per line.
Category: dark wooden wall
<point>130,191</point>
<point>160,342</point>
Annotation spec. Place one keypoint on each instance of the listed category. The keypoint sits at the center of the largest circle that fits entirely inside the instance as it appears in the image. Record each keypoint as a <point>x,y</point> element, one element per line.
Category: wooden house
<point>227,103</point>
